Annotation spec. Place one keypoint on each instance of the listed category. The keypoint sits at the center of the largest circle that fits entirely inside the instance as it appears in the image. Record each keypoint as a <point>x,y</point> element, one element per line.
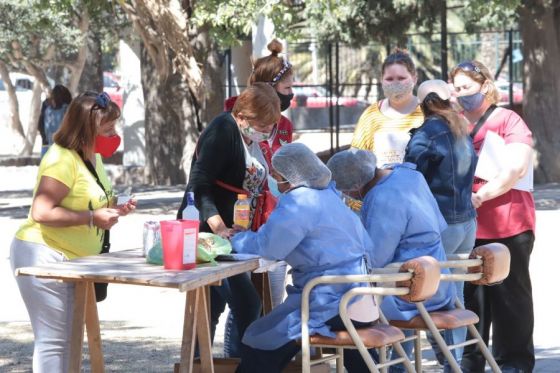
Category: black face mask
<point>285,100</point>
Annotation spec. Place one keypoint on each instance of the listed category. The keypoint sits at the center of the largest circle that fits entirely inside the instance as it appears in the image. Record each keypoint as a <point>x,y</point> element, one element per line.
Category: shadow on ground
<point>126,349</point>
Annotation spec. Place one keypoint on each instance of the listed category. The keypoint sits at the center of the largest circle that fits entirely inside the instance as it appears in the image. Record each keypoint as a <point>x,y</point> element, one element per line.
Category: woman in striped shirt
<point>384,127</point>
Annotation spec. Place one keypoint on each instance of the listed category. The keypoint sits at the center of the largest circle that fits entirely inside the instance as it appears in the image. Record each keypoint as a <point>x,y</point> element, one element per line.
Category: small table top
<point>130,267</point>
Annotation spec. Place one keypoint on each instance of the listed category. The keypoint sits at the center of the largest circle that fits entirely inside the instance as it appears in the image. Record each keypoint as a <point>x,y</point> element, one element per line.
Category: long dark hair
<point>60,95</point>
<point>434,105</point>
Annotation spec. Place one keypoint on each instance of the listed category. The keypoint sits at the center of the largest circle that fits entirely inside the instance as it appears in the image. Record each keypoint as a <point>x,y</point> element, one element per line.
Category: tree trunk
<point>33,126</point>
<point>540,31</point>
<point>77,66</point>
<point>170,120</point>
<point>15,121</point>
<point>91,78</point>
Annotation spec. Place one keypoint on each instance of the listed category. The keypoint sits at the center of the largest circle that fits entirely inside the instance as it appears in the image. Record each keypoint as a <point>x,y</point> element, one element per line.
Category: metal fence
<point>334,83</point>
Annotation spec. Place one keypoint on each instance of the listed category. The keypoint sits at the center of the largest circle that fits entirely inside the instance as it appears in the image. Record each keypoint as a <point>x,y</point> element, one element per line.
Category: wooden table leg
<point>203,332</point>
<point>189,332</point>
<point>262,285</point>
<point>78,316</point>
<point>93,331</point>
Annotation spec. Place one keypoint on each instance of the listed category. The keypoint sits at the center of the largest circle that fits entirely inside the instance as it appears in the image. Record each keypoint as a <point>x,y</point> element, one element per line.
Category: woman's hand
<point>128,207</point>
<point>476,200</point>
<point>226,233</point>
<point>105,218</point>
<point>237,229</point>
<point>218,227</point>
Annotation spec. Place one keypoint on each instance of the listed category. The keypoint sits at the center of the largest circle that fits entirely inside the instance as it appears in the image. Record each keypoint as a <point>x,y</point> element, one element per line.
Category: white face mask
<point>255,135</point>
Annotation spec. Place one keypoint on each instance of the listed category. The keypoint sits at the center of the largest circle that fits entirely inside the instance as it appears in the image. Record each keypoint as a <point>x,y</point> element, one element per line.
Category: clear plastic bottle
<point>242,211</point>
<point>191,212</point>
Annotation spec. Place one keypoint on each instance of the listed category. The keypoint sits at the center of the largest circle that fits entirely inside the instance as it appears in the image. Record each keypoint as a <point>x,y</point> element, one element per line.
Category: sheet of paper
<point>492,159</point>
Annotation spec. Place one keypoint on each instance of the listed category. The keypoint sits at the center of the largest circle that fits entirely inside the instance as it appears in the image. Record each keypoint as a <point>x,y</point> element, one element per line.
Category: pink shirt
<point>513,212</point>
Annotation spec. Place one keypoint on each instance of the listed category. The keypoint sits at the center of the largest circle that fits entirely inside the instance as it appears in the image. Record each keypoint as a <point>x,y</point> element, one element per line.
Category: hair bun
<point>275,47</point>
<point>402,51</point>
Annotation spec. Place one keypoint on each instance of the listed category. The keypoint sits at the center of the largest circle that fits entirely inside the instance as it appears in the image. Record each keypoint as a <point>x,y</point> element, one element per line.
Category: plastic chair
<point>418,280</point>
<point>486,265</point>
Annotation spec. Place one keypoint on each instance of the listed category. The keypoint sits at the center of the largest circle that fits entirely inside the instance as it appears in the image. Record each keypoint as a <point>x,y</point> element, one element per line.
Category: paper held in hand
<point>492,159</point>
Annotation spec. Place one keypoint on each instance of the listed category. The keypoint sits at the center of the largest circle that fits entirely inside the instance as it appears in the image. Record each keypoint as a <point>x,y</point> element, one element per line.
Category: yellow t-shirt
<point>67,167</point>
<point>386,137</point>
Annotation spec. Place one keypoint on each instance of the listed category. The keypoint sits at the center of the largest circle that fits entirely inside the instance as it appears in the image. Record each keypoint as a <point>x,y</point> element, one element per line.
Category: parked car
<point>309,109</point>
<point>503,88</point>
<point>112,87</point>
<point>317,97</point>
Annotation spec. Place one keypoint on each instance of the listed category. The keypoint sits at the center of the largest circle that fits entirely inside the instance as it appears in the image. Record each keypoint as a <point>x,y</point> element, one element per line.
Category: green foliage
<point>490,15</point>
<point>231,21</point>
<point>359,22</point>
<point>35,29</point>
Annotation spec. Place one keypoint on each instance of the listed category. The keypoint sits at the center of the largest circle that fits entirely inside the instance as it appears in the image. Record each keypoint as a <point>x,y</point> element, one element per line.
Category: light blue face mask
<point>273,186</point>
<point>471,102</point>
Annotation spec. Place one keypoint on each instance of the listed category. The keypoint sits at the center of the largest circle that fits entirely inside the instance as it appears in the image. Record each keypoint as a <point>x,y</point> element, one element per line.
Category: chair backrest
<point>425,279</point>
<point>495,263</point>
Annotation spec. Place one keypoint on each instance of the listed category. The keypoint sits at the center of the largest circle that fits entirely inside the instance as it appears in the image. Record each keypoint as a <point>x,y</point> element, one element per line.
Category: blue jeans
<point>456,239</point>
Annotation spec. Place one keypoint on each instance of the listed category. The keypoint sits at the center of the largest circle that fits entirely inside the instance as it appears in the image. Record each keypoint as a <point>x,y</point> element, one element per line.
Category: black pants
<point>508,307</point>
<point>274,361</point>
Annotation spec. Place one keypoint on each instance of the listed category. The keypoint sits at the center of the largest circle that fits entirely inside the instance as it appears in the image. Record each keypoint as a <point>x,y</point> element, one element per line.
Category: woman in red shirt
<point>506,215</point>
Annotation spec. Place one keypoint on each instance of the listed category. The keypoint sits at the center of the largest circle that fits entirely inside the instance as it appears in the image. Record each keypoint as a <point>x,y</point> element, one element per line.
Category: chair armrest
<point>495,263</point>
<point>424,284</point>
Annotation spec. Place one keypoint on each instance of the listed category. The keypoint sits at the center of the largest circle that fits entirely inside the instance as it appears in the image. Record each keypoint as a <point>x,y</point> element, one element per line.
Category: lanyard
<point>89,165</point>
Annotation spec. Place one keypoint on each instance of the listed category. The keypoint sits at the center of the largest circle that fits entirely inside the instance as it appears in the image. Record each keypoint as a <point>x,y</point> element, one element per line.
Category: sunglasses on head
<point>469,66</point>
<point>102,99</point>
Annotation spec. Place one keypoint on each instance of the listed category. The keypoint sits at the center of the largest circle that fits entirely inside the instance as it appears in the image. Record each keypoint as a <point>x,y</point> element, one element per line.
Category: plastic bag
<point>210,246</point>
<point>155,254</point>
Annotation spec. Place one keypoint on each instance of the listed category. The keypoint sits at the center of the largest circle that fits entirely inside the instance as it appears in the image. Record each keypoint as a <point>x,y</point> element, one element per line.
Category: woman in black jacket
<point>228,152</point>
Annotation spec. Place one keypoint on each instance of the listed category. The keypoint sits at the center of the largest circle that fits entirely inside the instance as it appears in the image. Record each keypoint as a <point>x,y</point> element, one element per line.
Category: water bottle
<point>242,211</point>
<point>191,212</point>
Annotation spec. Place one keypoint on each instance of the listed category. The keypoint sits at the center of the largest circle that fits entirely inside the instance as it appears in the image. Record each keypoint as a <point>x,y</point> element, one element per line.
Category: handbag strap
<point>231,188</point>
<point>91,168</point>
<point>482,120</point>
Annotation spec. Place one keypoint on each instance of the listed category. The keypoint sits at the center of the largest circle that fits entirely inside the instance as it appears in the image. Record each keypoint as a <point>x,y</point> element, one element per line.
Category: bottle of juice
<point>242,211</point>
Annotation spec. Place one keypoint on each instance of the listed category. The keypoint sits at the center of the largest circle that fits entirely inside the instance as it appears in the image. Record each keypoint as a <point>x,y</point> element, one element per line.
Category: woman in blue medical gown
<point>317,235</point>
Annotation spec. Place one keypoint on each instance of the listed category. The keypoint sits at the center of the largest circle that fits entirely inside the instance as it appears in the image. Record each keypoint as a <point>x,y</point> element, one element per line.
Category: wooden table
<point>129,267</point>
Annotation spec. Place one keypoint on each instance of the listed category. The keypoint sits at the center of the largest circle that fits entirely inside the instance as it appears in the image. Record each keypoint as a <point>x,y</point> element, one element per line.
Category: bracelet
<point>90,219</point>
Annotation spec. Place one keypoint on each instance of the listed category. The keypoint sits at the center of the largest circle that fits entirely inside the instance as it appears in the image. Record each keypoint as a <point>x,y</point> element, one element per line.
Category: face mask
<point>285,100</point>
<point>107,145</point>
<point>397,90</point>
<point>254,135</point>
<point>273,186</point>
<point>471,102</point>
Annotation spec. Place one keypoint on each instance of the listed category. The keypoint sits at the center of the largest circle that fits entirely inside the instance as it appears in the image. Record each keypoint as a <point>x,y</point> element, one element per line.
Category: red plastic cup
<point>179,240</point>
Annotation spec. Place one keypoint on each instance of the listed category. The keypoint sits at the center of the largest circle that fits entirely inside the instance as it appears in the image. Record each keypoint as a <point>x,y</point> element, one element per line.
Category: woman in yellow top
<point>384,127</point>
<point>70,217</point>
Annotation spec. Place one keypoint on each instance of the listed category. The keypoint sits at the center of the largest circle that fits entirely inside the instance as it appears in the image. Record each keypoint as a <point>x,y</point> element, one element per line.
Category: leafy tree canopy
<point>31,31</point>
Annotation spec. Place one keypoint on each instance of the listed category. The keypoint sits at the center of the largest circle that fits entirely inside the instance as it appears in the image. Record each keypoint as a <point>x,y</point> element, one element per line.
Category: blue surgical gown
<point>404,222</point>
<point>317,235</point>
